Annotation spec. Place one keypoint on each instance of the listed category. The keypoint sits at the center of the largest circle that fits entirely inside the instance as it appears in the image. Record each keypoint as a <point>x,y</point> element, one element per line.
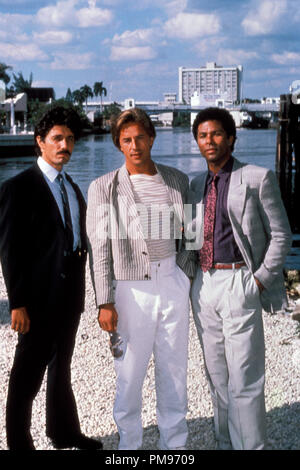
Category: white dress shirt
<point>50,174</point>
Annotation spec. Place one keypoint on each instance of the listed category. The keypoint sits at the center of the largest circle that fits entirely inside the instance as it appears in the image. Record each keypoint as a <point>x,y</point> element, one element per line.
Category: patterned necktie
<point>206,254</point>
<point>67,212</point>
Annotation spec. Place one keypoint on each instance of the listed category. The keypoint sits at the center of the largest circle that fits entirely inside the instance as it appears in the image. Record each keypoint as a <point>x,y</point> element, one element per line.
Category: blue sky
<point>136,46</point>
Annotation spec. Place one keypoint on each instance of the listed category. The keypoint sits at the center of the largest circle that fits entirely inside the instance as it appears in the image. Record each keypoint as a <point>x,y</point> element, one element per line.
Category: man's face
<point>136,145</point>
<point>57,146</point>
<point>213,143</point>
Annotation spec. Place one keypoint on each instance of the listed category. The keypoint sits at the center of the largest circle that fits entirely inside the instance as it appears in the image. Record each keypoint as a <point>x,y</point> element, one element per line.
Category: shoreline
<point>93,380</point>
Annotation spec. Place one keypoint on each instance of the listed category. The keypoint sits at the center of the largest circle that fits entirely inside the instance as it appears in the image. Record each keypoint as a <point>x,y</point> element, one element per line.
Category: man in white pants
<point>246,240</point>
<point>134,226</point>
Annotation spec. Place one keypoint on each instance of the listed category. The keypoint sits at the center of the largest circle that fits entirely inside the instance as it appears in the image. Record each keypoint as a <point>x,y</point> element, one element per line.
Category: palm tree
<point>3,72</point>
<point>20,83</point>
<point>69,96</point>
<point>86,93</point>
<point>99,89</point>
<point>78,97</point>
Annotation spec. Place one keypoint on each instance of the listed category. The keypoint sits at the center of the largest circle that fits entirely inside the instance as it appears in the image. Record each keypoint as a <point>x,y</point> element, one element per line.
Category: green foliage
<point>181,119</point>
<point>69,96</point>
<point>87,92</point>
<point>37,109</point>
<point>100,90</point>
<point>112,109</point>
<point>20,83</point>
<point>3,72</point>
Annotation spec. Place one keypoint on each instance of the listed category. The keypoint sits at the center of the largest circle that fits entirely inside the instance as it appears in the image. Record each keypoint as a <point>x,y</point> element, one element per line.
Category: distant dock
<point>15,145</point>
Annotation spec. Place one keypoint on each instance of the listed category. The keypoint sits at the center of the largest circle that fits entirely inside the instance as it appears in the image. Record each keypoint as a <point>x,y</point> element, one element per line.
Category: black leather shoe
<point>80,442</point>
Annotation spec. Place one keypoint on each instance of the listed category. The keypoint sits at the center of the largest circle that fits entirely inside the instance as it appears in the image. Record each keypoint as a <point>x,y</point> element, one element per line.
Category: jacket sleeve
<point>99,242</point>
<point>13,243</point>
<point>186,258</point>
<point>277,226</point>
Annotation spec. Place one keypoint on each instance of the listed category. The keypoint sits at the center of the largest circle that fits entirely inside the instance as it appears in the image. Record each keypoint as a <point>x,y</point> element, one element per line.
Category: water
<point>96,155</point>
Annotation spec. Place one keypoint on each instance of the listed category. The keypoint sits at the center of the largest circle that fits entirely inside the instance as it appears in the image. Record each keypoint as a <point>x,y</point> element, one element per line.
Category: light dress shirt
<point>50,174</point>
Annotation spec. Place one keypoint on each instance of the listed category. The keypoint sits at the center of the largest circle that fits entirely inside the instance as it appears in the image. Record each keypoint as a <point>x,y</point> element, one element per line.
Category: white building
<point>2,91</point>
<point>213,81</point>
<point>270,100</point>
<point>170,98</point>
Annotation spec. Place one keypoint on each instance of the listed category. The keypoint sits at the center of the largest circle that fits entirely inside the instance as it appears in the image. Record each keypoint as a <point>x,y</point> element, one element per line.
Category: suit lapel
<point>236,203</point>
<point>173,189</point>
<point>236,194</point>
<point>42,188</point>
<point>82,211</point>
<point>126,202</point>
<point>197,189</point>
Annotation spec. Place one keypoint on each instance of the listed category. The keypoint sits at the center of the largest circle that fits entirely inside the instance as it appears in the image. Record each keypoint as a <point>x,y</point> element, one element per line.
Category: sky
<point>136,46</point>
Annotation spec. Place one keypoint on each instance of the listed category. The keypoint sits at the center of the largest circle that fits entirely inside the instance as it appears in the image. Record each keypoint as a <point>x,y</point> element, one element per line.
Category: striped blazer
<point>117,248</point>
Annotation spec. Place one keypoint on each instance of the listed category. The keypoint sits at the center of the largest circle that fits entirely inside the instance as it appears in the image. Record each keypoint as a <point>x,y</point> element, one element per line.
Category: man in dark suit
<point>43,255</point>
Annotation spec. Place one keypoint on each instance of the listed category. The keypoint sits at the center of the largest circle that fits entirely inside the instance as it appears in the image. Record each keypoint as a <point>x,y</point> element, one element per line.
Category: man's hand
<point>108,317</point>
<point>20,320</point>
<point>260,286</point>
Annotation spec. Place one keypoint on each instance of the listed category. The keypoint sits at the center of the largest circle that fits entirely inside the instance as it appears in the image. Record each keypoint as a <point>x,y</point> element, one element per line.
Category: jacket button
<point>63,275</point>
<point>146,276</point>
<point>144,253</point>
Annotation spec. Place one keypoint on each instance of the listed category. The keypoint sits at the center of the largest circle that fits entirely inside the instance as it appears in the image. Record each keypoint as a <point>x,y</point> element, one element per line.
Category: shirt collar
<point>223,173</point>
<point>49,171</point>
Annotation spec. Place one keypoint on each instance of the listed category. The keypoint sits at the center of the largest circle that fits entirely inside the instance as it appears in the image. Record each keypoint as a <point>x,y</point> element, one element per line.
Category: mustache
<point>64,152</point>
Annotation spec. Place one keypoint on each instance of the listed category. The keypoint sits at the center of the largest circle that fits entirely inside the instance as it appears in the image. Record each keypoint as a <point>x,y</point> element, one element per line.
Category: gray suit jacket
<point>260,226</point>
<point>117,247</point>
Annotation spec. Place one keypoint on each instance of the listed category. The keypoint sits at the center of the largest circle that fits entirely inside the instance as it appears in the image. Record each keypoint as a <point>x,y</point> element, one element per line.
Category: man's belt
<point>237,265</point>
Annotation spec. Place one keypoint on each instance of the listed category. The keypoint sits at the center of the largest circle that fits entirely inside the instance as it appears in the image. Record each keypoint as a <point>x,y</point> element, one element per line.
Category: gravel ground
<point>93,380</point>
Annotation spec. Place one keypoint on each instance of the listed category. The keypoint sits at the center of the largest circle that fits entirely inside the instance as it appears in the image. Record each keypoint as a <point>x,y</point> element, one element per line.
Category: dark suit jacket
<point>33,246</point>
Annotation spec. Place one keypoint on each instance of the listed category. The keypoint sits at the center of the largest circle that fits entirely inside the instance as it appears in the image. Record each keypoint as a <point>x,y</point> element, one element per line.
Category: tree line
<point>19,84</point>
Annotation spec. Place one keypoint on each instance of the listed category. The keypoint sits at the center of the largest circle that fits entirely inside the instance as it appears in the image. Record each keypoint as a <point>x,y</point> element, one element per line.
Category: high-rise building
<point>212,82</point>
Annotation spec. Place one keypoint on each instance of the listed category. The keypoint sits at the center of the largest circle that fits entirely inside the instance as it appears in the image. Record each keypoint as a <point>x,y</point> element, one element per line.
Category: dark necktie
<point>67,212</point>
<point>206,254</point>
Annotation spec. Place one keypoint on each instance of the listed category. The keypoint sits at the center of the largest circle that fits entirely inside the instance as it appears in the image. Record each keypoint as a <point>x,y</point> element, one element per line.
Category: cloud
<point>21,52</point>
<point>65,13</point>
<point>69,61</point>
<point>12,25</point>
<point>235,56</point>
<point>192,25</point>
<point>53,37</point>
<point>134,45</point>
<point>264,18</point>
<point>132,53</point>
<point>92,16</point>
<point>171,7</point>
<point>57,15</point>
<point>286,58</point>
<point>134,38</point>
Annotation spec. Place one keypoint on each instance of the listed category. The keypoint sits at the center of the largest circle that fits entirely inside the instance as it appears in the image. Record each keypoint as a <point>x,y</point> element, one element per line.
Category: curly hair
<point>216,114</point>
<point>57,116</point>
<point>135,115</point>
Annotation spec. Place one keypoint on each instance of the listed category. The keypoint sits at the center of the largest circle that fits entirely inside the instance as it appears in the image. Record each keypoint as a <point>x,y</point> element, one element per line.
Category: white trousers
<point>153,317</point>
<point>228,316</point>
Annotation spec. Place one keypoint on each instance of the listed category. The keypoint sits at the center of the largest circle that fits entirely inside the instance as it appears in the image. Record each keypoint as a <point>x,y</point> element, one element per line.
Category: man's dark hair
<point>57,116</point>
<point>135,115</point>
<point>216,114</point>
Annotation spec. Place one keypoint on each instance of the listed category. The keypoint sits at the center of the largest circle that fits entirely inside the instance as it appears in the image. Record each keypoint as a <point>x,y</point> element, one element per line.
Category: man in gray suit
<point>140,274</point>
<point>246,240</point>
